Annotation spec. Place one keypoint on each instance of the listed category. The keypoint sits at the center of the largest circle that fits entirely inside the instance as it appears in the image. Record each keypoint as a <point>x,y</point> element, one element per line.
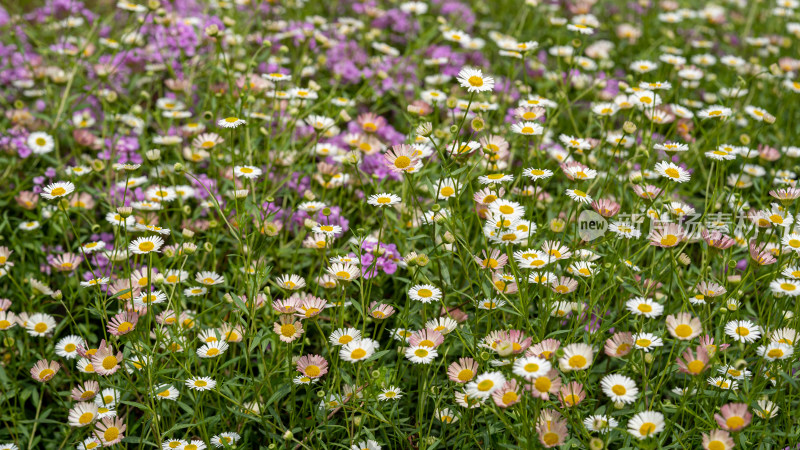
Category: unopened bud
<point>422,260</point>
<point>154,154</point>
<point>629,127</point>
<point>212,30</point>
<point>684,259</point>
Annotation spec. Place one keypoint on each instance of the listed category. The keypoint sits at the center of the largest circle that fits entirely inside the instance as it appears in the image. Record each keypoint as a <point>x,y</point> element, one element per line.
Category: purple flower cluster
<point>378,257</point>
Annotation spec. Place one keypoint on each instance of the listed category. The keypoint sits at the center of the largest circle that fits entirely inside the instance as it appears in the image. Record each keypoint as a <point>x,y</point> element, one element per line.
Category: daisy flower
<point>312,366</point>
<point>715,112</point>
<point>249,172</point>
<point>600,423</point>
<point>209,278</point>
<point>672,171</point>
<point>291,282</point>
<point>531,367</point>
<point>474,81</point>
<point>212,349</point>
<point>384,199</point>
<point>579,196</point>
<point>537,174</point>
<point>166,392</point>
<point>227,439</point>
<point>619,388</point>
<point>357,350</point>
<point>40,324</point>
<point>743,331</point>
<point>105,361</point>
<point>40,143</point>
<point>773,351</point>
<point>645,424</point>
<point>647,341</point>
<point>43,371</point>
<point>425,293</point>
<point>462,371</point>
<point>527,128</point>
<point>288,329</point>
<point>485,384</point>
<point>733,416</point>
<point>66,347</point>
<point>344,272</point>
<point>200,383</point>
<point>57,190</point>
<point>144,245</point>
<point>390,393</point>
<point>718,440</point>
<point>230,122</point>
<point>421,354</point>
<point>683,326</point>
<point>110,431</point>
<point>344,336</point>
<point>642,306</point>
<point>82,414</point>
<point>577,356</point>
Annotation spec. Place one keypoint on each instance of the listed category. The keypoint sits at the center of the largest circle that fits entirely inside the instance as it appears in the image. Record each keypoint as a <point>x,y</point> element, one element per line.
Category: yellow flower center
<point>475,81</point>
<point>109,362</point>
<point>577,361</point>
<point>734,422</point>
<point>485,385</point>
<point>683,330</point>
<point>288,330</point>
<point>647,428</point>
<point>111,434</point>
<point>669,240</point>
<point>550,438</point>
<point>696,366</point>
<point>465,375</point>
<point>509,397</point>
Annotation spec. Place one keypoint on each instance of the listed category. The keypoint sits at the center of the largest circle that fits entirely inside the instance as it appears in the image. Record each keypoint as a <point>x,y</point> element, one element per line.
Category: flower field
<point>387,224</point>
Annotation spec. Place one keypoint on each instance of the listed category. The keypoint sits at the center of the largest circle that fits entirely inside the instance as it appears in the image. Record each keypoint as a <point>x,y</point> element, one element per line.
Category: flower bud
<point>422,260</point>
<point>629,127</point>
<point>154,154</point>
<point>208,246</point>
<point>212,30</point>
